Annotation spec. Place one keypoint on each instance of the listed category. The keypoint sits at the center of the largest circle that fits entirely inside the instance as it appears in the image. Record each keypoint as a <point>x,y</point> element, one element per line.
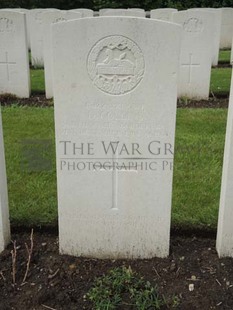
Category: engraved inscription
<point>6,63</point>
<point>116,65</point>
<point>193,25</point>
<point>6,25</point>
<point>38,17</point>
<point>59,19</point>
<point>163,16</point>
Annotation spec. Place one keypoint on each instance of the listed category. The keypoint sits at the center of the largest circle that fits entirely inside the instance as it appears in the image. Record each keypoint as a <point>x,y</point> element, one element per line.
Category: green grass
<point>37,81</point>
<point>197,175</point>
<point>220,81</point>
<point>32,195</point>
<point>224,56</point>
<point>200,136</point>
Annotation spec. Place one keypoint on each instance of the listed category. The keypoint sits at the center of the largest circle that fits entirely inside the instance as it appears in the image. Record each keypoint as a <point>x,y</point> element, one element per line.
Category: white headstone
<point>215,33</point>
<point>196,53</point>
<point>232,52</point>
<point>118,86</point>
<point>122,12</point>
<point>4,211</point>
<point>162,14</point>
<point>227,28</point>
<point>137,9</point>
<point>102,11</point>
<point>27,12</point>
<point>84,12</point>
<point>48,19</point>
<point>36,35</point>
<point>21,10</point>
<point>14,62</point>
<point>225,220</point>
<point>143,12</point>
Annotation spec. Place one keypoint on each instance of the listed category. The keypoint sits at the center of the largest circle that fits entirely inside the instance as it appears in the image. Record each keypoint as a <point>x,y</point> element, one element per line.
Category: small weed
<point>184,101</point>
<point>123,287</point>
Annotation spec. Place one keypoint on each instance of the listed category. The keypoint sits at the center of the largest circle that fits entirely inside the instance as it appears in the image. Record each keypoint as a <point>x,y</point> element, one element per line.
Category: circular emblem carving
<point>193,25</point>
<point>6,25</point>
<point>116,65</point>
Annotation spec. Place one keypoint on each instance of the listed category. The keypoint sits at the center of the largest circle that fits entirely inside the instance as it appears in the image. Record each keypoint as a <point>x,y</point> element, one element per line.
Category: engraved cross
<point>190,66</point>
<point>7,63</point>
<point>115,172</point>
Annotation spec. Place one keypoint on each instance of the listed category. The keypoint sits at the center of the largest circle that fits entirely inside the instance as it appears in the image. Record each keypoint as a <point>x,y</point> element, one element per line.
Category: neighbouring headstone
<point>84,12</point>
<point>27,12</point>
<point>48,19</point>
<point>14,62</point>
<point>162,14</point>
<point>196,53</point>
<point>102,11</point>
<point>27,25</point>
<point>215,33</point>
<point>143,12</point>
<point>226,28</point>
<point>232,52</point>
<point>21,10</point>
<point>137,9</point>
<point>225,227</point>
<point>122,12</point>
<point>4,210</point>
<point>115,94</point>
<point>36,36</point>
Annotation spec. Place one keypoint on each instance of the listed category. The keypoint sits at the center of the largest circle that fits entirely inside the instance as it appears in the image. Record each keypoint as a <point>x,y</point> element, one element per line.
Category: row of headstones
<point>200,45</point>
<point>225,18</point>
<point>33,16</point>
<point>115,83</point>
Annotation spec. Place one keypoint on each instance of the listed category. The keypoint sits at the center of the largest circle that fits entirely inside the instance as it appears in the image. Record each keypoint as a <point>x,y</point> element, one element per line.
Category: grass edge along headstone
<point>224,242</point>
<point>4,211</point>
<point>115,81</point>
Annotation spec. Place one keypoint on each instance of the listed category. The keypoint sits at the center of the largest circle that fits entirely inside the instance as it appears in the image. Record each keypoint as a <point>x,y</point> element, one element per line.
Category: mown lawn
<point>200,137</point>
<point>197,175</point>
<point>198,162</point>
<point>37,81</point>
<point>220,81</point>
<point>32,195</point>
<point>224,56</point>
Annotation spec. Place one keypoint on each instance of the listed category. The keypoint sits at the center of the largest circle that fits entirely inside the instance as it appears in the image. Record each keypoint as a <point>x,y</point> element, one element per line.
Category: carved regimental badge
<point>193,25</point>
<point>116,65</point>
<point>6,25</point>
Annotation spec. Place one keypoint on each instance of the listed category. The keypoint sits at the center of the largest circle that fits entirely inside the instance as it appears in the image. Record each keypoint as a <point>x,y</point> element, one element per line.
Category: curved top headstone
<point>84,12</point>
<point>122,12</point>
<point>115,93</point>
<point>162,14</point>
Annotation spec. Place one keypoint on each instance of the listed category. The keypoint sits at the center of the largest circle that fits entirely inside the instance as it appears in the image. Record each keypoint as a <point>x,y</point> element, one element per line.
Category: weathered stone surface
<point>115,86</point>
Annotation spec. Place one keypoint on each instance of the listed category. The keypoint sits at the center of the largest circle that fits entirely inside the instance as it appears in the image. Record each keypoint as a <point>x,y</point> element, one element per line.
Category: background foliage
<point>98,4</point>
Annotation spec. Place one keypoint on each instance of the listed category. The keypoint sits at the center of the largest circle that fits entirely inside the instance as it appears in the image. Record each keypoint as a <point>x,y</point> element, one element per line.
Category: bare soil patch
<point>61,282</point>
